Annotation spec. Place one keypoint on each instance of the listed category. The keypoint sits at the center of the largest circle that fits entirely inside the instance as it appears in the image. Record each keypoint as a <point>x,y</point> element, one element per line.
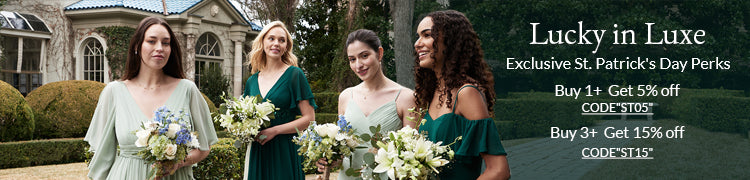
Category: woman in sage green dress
<point>455,84</point>
<point>376,101</point>
<point>276,78</point>
<point>153,78</point>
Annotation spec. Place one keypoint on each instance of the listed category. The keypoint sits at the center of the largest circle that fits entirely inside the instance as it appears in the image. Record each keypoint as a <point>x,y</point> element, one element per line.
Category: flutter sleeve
<point>201,118</point>
<point>300,89</point>
<point>480,136</point>
<point>101,135</point>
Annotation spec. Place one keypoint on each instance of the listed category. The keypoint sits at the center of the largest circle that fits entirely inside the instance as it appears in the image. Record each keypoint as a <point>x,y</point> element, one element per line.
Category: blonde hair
<point>258,57</point>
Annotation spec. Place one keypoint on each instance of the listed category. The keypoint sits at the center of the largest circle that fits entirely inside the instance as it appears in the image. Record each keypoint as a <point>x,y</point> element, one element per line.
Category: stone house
<point>46,41</point>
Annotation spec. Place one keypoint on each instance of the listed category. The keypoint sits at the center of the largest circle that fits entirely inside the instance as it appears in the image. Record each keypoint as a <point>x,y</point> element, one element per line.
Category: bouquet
<point>244,117</point>
<point>407,154</point>
<point>330,141</point>
<point>167,140</point>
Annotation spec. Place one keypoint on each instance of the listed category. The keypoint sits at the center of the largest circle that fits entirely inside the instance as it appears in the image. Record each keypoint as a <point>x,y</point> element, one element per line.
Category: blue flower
<point>164,130</point>
<point>183,137</point>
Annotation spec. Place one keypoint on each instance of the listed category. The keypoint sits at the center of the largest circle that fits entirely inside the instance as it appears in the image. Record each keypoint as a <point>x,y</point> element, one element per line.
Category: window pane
<point>32,49</point>
<point>208,44</point>
<point>35,22</point>
<point>10,52</point>
<point>93,60</point>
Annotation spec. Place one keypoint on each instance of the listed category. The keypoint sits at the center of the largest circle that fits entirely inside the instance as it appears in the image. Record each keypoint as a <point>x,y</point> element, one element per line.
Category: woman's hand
<point>322,165</point>
<point>270,133</point>
<point>167,170</point>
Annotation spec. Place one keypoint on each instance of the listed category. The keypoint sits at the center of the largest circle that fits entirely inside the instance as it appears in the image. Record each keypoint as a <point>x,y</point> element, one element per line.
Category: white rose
<point>351,142</point>
<point>170,151</point>
<point>173,129</point>
<point>143,136</point>
<point>327,130</point>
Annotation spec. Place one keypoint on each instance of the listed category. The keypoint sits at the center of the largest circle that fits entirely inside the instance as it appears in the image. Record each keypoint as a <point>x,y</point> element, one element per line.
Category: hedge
<point>41,152</point>
<point>224,162</point>
<point>532,114</point>
<point>715,113</point>
<point>321,118</point>
<point>64,109</point>
<point>16,117</point>
<point>328,102</point>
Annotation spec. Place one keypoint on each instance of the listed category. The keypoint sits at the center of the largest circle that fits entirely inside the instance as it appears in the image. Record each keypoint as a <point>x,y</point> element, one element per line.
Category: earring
<point>136,52</point>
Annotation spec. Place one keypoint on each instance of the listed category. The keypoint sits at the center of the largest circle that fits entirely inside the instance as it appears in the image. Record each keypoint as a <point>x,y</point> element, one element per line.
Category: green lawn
<point>699,155</point>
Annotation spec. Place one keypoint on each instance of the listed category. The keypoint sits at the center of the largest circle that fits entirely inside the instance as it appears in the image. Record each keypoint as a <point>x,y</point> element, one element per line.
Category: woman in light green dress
<point>376,101</point>
<point>153,78</point>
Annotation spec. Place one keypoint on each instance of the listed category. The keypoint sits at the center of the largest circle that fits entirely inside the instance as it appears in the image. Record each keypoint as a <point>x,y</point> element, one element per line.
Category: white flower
<point>351,142</point>
<point>422,148</point>
<point>194,141</point>
<point>143,136</point>
<point>264,109</point>
<point>173,129</point>
<point>151,125</point>
<point>327,130</point>
<point>437,162</point>
<point>170,151</point>
<point>341,137</point>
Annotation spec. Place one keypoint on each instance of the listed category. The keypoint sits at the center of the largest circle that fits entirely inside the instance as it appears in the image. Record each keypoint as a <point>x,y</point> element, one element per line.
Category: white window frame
<point>80,59</point>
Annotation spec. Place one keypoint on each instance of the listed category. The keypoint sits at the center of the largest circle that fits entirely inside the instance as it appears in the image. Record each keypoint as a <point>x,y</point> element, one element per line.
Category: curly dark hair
<point>463,63</point>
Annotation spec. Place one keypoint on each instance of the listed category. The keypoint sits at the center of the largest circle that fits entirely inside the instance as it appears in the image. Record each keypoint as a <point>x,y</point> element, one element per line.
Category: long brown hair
<point>174,63</point>
<point>463,63</point>
<point>258,56</point>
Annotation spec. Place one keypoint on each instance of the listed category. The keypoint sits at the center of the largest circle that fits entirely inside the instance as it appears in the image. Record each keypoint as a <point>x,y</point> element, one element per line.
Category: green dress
<point>386,116</point>
<point>278,158</point>
<point>117,116</point>
<point>479,136</point>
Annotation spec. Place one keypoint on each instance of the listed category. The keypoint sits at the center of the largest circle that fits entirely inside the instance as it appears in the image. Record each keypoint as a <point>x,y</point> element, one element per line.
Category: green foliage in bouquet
<point>16,117</point>
<point>243,117</point>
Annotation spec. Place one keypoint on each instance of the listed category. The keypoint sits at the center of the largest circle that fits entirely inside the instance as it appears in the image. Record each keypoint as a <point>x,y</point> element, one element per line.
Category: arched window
<point>208,44</point>
<point>93,60</point>
<point>207,54</point>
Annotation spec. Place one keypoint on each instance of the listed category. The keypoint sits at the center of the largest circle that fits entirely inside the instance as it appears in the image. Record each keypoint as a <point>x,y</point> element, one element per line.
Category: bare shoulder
<point>344,99</point>
<point>471,104</point>
<point>346,94</point>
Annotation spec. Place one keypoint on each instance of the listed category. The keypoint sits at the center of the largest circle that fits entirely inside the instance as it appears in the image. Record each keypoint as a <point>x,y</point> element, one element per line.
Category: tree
<point>402,12</point>
<point>271,10</point>
<point>322,28</point>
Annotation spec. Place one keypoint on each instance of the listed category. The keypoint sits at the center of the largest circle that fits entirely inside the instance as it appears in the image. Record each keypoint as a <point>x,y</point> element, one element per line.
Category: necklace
<point>147,88</point>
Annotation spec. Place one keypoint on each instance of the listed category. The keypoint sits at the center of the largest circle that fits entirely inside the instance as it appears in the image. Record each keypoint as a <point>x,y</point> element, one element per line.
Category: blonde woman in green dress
<point>153,78</point>
<point>277,78</point>
<point>376,101</point>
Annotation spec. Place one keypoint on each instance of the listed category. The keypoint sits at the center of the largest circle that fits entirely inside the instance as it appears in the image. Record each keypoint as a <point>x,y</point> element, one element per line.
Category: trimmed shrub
<point>328,102</point>
<point>212,108</point>
<point>322,118</point>
<point>531,115</point>
<point>16,117</point>
<point>64,108</point>
<point>224,162</point>
<point>717,113</point>
<point>41,152</point>
<point>213,83</point>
